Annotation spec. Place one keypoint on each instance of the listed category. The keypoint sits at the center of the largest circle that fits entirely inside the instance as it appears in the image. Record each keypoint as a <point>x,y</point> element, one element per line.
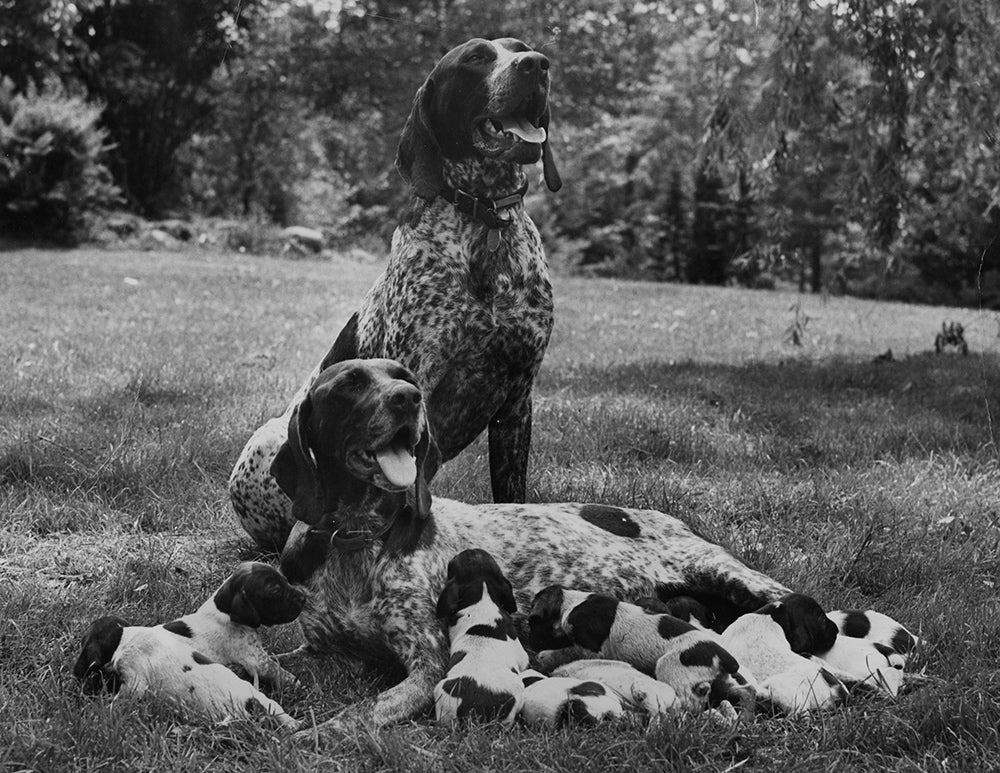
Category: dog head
<point>804,622</point>
<point>703,673</point>
<point>469,573</point>
<point>362,425</point>
<point>485,99</point>
<point>257,594</point>
<point>93,666</point>
<point>545,620</point>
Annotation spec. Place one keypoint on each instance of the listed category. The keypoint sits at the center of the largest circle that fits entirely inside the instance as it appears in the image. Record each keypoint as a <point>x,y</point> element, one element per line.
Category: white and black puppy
<point>704,674</point>
<point>877,628</point>
<point>556,701</point>
<point>859,661</point>
<point>613,629</point>
<point>785,679</point>
<point>483,679</point>
<point>225,629</point>
<point>153,663</point>
<point>637,691</point>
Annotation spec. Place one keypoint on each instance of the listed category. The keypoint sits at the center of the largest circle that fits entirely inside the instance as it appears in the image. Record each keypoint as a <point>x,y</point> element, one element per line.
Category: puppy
<point>804,623</point>
<point>704,674</point>
<point>556,701</point>
<point>877,628</point>
<point>865,662</point>
<point>483,679</point>
<point>613,629</point>
<point>637,691</point>
<point>225,629</point>
<point>786,680</point>
<point>141,662</point>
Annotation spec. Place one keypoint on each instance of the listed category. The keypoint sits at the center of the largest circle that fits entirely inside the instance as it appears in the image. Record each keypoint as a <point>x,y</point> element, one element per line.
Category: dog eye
<point>474,58</point>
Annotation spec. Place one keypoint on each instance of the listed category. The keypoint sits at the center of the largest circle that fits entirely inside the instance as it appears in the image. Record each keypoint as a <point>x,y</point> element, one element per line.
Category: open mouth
<point>394,462</point>
<point>498,133</point>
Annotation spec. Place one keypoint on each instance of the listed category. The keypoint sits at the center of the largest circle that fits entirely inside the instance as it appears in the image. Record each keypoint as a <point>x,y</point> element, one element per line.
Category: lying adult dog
<point>374,593</point>
<point>465,301</point>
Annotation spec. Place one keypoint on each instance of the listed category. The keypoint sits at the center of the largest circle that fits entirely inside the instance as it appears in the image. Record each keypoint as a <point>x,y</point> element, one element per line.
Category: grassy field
<point>132,380</point>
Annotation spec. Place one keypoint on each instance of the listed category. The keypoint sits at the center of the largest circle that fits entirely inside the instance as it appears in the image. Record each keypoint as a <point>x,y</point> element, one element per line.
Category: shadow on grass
<point>792,414</point>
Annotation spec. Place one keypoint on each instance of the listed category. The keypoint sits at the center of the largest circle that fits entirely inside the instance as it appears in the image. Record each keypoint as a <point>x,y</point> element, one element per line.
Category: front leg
<point>510,442</point>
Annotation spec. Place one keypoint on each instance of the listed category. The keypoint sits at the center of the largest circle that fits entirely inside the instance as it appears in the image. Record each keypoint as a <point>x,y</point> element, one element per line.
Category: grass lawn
<point>132,380</point>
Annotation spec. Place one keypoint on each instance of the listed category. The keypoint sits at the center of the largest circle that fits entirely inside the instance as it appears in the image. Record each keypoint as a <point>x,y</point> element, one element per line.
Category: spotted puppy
<point>556,701</point>
<point>226,628</point>
<point>687,658</point>
<point>153,663</point>
<point>771,645</point>
<point>615,630</point>
<point>876,628</point>
<point>465,301</point>
<point>870,664</point>
<point>637,691</point>
<point>483,679</point>
<point>390,544</point>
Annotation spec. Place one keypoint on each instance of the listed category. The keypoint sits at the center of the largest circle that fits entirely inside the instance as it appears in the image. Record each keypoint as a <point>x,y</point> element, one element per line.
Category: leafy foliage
<point>51,174</point>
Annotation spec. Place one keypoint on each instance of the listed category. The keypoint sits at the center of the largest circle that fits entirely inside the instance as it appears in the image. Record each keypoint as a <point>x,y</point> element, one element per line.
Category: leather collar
<point>486,211</point>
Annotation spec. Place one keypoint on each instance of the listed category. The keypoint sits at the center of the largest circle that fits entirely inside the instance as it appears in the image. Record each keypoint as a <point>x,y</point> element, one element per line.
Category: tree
<point>150,62</point>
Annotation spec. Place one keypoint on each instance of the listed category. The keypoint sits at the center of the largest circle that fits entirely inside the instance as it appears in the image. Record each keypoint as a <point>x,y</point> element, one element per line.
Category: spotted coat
<point>471,323</point>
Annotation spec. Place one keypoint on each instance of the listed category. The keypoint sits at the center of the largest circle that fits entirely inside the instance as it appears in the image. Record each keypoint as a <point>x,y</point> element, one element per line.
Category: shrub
<point>51,177</point>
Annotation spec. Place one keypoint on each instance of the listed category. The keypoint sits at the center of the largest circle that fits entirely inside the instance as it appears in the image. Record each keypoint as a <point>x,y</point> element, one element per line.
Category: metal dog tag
<point>493,239</point>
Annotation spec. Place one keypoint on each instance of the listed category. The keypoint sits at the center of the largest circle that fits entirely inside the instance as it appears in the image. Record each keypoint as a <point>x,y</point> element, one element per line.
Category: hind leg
<point>264,512</point>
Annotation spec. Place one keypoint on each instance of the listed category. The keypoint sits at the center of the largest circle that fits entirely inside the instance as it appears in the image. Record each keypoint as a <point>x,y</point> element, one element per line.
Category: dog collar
<point>487,211</point>
<point>350,540</point>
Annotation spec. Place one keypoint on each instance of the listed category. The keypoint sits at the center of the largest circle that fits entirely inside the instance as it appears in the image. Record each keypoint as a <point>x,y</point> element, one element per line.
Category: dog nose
<point>403,395</point>
<point>533,62</point>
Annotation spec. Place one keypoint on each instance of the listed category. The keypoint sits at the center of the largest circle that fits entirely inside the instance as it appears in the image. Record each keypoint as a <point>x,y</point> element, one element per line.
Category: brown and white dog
<point>777,650</point>
<point>483,679</point>
<point>465,301</point>
<point>689,659</point>
<point>153,663</point>
<point>558,701</point>
<point>388,545</point>
<point>226,628</point>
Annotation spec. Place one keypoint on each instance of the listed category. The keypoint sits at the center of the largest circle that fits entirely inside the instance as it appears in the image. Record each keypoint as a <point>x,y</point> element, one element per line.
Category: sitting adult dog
<point>483,679</point>
<point>226,628</point>
<point>465,301</point>
<point>373,594</point>
<point>155,663</point>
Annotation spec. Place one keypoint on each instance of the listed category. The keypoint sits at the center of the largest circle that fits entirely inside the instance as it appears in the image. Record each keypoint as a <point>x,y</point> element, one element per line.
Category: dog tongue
<point>523,129</point>
<point>398,465</point>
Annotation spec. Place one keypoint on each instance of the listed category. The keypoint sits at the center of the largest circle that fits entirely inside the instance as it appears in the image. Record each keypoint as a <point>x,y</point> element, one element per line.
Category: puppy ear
<point>295,469</point>
<point>549,171</point>
<point>232,600</point>
<point>428,461</point>
<point>92,667</point>
<point>505,591</point>
<point>418,156</point>
<point>447,604</point>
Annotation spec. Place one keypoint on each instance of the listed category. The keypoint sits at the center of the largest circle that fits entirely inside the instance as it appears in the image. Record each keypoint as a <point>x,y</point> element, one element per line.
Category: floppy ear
<point>448,600</point>
<point>428,461</point>
<point>549,171</point>
<point>418,156</point>
<point>506,592</point>
<point>232,599</point>
<point>295,469</point>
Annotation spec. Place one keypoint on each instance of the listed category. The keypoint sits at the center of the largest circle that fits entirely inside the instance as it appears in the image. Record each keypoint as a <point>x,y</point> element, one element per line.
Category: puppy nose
<point>403,395</point>
<point>533,62</point>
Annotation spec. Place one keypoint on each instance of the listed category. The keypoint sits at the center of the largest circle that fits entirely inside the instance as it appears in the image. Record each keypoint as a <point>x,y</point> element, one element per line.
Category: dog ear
<point>92,667</point>
<point>428,460</point>
<point>232,599</point>
<point>418,156</point>
<point>549,171</point>
<point>295,469</point>
<point>505,594</point>
<point>447,604</point>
